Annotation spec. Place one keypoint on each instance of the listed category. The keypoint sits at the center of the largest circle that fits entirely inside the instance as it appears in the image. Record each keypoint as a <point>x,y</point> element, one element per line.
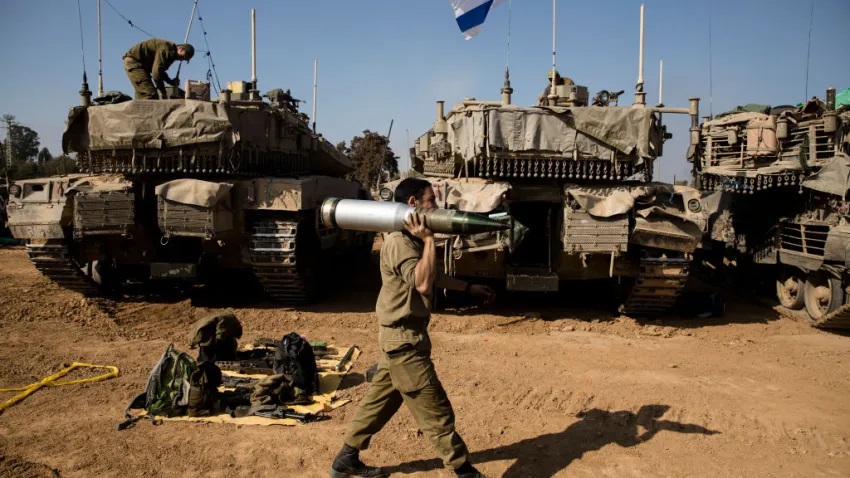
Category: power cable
<point>126,19</point>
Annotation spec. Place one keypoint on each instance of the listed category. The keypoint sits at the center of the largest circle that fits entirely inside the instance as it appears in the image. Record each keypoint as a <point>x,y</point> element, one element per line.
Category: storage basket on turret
<point>194,208</point>
<point>102,207</point>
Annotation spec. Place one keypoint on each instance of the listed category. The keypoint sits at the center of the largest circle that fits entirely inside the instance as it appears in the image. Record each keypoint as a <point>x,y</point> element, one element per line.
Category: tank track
<point>657,286</point>
<point>54,261</point>
<point>272,251</point>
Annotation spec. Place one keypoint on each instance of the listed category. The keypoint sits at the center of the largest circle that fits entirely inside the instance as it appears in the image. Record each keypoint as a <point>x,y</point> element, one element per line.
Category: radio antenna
<point>809,49</point>
<point>710,72</point>
<point>186,39</point>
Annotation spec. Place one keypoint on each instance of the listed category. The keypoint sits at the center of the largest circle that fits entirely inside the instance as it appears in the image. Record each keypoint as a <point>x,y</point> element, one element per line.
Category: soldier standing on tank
<point>146,64</point>
<point>405,371</point>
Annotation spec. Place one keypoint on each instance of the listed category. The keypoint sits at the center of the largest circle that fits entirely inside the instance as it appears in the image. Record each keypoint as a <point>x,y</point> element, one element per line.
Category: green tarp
<point>842,98</point>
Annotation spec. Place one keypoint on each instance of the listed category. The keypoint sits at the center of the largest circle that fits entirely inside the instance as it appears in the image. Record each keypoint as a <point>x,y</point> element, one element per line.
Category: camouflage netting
<point>591,132</point>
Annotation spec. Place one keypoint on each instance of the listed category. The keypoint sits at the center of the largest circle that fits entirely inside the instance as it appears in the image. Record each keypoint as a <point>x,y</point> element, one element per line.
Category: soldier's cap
<point>549,75</point>
<point>189,51</point>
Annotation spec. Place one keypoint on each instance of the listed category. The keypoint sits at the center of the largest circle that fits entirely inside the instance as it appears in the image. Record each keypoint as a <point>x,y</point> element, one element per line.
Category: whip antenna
<point>809,49</point>
<point>99,55</point>
<point>186,39</point>
<point>710,75</point>
<point>508,55</point>
<point>553,48</point>
<point>82,46</point>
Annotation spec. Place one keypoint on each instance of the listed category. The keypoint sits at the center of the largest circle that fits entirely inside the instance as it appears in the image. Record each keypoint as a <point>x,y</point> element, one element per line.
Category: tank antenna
<point>381,162</point>
<point>315,89</point>
<point>552,89</point>
<point>85,93</point>
<point>506,86</point>
<point>809,49</point>
<point>710,72</point>
<point>661,82</point>
<point>253,54</point>
<point>99,55</point>
<point>660,103</point>
<point>640,95</point>
<point>186,38</point>
<point>508,54</point>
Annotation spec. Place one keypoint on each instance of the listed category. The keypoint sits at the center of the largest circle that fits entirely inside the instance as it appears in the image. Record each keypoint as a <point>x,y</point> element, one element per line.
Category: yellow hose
<point>51,382</point>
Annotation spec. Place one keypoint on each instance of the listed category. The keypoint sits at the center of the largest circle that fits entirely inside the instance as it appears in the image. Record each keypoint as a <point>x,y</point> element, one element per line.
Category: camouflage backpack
<point>167,390</point>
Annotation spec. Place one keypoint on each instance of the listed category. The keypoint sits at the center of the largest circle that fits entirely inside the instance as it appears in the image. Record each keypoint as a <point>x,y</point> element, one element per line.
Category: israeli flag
<point>470,14</point>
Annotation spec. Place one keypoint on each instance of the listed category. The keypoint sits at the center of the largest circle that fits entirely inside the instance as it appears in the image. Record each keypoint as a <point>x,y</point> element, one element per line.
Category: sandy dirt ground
<point>542,388</point>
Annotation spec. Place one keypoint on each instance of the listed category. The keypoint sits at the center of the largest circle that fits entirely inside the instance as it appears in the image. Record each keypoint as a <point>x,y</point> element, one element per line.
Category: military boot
<point>468,471</point>
<point>347,464</point>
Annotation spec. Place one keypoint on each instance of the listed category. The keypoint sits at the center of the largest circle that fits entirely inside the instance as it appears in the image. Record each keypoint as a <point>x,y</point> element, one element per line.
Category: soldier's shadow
<point>545,455</point>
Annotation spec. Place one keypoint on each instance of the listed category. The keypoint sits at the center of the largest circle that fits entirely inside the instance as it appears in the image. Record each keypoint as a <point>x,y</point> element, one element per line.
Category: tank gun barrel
<point>381,216</point>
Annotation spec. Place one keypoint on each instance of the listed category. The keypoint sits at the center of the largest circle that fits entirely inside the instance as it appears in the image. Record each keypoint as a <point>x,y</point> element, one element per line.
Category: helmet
<point>549,75</point>
<point>189,51</point>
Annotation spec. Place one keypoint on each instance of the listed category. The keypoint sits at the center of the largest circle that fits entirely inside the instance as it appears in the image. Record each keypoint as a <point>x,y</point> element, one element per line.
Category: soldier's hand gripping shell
<point>416,225</point>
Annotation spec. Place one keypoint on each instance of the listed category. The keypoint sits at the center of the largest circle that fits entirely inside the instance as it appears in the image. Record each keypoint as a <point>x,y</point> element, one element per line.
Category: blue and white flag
<point>470,14</point>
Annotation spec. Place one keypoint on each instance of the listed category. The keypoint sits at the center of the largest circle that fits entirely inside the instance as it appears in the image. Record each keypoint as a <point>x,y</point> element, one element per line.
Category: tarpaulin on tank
<point>101,183</point>
<point>833,177</point>
<point>475,196</point>
<point>591,132</point>
<point>651,199</point>
<point>147,124</point>
<point>842,98</point>
<point>470,195</point>
<point>193,191</point>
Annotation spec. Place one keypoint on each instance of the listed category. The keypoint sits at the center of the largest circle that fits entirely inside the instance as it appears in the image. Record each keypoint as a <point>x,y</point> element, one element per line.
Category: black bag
<point>294,357</point>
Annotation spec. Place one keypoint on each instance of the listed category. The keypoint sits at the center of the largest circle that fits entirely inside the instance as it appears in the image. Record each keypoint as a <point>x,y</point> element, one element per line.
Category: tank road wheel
<point>822,294</point>
<point>789,289</point>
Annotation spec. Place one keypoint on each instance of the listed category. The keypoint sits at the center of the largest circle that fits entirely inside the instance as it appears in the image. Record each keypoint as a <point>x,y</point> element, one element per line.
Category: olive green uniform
<point>405,371</point>
<point>148,61</point>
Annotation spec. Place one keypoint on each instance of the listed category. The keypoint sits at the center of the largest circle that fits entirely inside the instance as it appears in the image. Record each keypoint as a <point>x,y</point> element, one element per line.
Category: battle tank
<point>780,178</point>
<point>188,189</point>
<point>574,181</point>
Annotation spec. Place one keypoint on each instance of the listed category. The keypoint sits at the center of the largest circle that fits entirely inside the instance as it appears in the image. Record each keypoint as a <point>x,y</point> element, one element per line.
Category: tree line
<point>29,160</point>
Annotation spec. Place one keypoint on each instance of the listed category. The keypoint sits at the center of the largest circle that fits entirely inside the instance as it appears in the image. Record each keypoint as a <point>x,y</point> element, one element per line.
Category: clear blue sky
<point>392,59</point>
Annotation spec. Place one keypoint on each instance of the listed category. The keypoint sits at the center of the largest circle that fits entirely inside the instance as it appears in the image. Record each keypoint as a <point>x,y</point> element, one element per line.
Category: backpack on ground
<point>216,337</point>
<point>294,357</point>
<point>203,390</point>
<point>167,389</point>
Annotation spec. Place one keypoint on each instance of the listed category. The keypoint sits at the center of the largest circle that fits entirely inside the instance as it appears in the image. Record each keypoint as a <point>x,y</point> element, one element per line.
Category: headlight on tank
<point>15,190</point>
<point>386,194</point>
<point>694,205</point>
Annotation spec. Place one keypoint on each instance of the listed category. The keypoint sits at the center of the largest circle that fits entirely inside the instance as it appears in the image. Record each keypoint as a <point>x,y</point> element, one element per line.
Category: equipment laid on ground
<point>274,411</point>
<point>360,215</point>
<point>345,358</point>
